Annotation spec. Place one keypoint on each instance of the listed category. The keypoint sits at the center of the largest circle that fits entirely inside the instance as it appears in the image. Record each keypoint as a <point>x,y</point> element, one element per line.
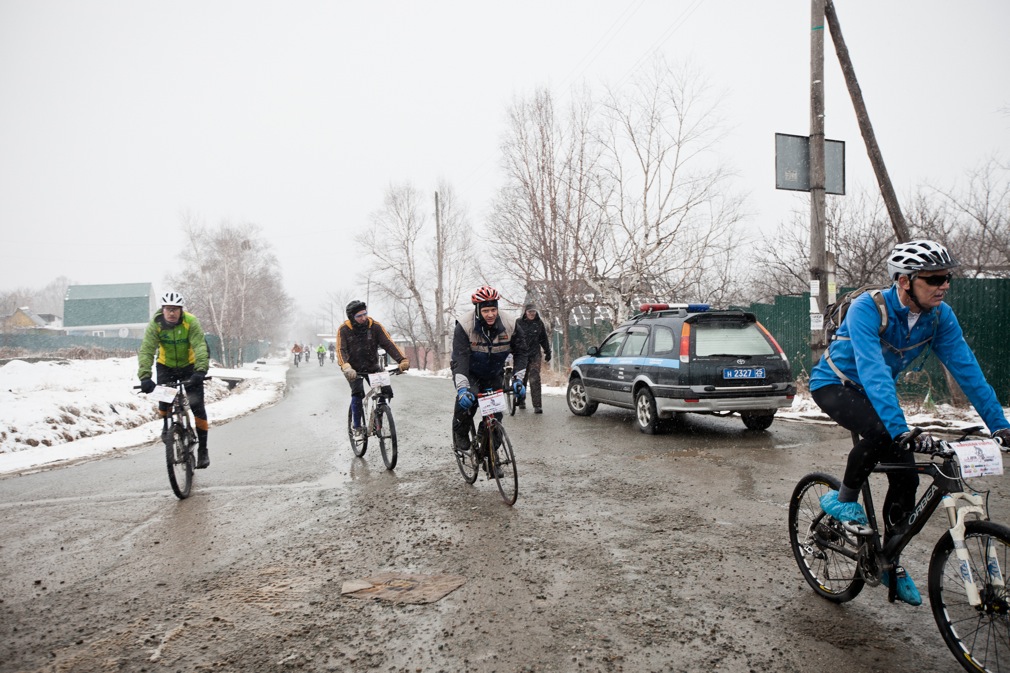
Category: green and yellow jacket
<point>177,347</point>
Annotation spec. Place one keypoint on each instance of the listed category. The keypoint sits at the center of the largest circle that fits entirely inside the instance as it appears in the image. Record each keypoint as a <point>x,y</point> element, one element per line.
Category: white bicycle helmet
<point>915,256</point>
<point>172,298</point>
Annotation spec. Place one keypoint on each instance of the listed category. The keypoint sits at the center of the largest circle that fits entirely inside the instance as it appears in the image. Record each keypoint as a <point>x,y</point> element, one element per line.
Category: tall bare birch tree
<point>232,283</point>
<point>546,220</point>
<point>404,253</point>
<point>672,212</point>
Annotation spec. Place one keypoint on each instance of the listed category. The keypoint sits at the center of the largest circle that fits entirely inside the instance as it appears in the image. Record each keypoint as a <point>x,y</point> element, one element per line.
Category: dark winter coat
<point>479,352</point>
<point>359,345</point>
<point>536,336</point>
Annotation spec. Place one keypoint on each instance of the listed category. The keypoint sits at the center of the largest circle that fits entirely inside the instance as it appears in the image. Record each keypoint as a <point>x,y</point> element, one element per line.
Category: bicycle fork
<point>956,517</point>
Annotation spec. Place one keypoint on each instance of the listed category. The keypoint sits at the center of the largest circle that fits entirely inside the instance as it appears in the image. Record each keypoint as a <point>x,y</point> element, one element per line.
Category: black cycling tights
<point>851,409</point>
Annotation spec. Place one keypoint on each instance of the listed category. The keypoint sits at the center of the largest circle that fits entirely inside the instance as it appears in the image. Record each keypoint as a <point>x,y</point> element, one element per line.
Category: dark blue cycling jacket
<point>479,353</point>
<point>873,362</point>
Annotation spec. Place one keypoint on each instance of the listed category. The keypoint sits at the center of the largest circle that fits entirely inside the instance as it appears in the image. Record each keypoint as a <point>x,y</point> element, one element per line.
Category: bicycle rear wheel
<point>359,443</point>
<point>468,464</point>
<point>979,636</point>
<point>825,552</point>
<point>385,430</point>
<point>180,462</point>
<point>502,456</point>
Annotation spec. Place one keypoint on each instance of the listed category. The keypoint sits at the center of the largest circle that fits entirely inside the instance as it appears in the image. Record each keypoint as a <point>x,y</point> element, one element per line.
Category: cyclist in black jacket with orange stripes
<point>358,342</point>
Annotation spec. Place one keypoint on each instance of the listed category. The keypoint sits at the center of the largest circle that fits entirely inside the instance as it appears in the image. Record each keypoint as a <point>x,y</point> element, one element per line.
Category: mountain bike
<point>322,357</point>
<point>179,436</point>
<point>966,586</point>
<point>298,358</point>
<point>490,446</point>
<point>377,419</point>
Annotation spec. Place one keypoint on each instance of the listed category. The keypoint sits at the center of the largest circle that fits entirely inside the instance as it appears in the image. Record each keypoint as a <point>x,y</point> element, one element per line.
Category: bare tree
<point>671,210</point>
<point>977,218</point>
<point>403,263</point>
<point>546,220</point>
<point>232,283</point>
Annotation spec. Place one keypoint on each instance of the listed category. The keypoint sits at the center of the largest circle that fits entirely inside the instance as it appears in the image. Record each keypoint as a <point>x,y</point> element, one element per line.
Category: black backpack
<point>835,314</point>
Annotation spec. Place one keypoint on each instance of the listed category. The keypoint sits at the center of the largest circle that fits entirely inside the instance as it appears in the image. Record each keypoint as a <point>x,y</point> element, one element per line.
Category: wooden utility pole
<point>440,329</point>
<point>865,128</point>
<point>818,227</point>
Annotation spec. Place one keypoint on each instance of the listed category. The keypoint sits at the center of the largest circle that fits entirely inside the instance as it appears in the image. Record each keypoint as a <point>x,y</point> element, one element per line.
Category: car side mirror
<point>593,351</point>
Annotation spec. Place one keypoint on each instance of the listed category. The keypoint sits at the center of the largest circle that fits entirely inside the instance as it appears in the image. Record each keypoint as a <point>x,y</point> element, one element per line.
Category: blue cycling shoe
<point>907,591</point>
<point>843,511</point>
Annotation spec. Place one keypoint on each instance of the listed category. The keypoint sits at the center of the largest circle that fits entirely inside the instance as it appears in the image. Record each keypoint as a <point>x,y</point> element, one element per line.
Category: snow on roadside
<point>62,410</point>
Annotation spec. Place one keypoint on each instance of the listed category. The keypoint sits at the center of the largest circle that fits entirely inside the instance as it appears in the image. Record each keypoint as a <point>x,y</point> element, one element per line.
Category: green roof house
<point>121,310</point>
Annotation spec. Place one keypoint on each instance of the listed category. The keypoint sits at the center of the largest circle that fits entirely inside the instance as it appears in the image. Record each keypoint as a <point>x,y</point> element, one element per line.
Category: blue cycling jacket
<point>873,361</point>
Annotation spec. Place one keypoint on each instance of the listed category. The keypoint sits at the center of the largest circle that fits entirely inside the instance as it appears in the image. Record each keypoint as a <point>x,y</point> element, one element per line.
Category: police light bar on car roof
<point>693,308</point>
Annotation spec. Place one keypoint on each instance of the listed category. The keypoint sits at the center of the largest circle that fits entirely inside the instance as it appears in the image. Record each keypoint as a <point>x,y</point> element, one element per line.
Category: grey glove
<point>922,443</point>
<point>349,372</point>
<point>1002,436</point>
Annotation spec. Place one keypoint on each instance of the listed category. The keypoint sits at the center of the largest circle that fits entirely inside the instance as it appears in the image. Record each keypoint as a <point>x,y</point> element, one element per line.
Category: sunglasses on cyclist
<point>936,281</point>
<point>361,314</point>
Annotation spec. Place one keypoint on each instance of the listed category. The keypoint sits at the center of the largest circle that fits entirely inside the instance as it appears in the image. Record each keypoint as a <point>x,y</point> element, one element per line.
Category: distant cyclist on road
<point>358,342</point>
<point>177,339</point>
<point>854,382</point>
<point>479,351</point>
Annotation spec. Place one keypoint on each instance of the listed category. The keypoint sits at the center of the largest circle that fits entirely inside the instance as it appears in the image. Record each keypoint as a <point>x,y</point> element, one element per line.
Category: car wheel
<point>578,400</point>
<point>645,412</point>
<point>757,421</point>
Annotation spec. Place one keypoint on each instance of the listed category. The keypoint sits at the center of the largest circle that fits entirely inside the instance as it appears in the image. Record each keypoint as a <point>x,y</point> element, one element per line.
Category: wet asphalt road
<point>624,552</point>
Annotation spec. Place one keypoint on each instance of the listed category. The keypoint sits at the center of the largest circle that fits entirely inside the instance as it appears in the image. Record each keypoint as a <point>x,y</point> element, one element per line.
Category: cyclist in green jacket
<point>177,339</point>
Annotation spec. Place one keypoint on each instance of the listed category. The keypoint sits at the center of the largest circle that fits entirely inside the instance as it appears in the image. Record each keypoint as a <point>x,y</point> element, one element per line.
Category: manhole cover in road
<point>403,587</point>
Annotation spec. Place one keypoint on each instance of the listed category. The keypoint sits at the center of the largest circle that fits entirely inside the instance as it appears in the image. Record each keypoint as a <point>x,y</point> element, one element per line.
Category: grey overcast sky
<point>117,116</point>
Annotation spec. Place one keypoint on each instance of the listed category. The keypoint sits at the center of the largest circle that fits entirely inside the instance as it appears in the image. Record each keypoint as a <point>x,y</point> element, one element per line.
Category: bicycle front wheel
<point>978,635</point>
<point>385,430</point>
<point>468,463</point>
<point>359,442</point>
<point>503,464</point>
<point>180,462</point>
<point>825,552</point>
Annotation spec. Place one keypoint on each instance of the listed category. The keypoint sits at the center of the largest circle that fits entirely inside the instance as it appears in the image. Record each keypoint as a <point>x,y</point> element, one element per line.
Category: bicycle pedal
<point>857,528</point>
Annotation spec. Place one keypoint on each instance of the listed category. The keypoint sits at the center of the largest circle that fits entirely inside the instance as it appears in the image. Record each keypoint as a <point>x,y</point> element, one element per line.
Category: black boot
<point>202,458</point>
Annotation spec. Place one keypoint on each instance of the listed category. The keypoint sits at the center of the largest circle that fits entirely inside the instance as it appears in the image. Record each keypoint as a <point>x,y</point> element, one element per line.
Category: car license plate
<point>744,373</point>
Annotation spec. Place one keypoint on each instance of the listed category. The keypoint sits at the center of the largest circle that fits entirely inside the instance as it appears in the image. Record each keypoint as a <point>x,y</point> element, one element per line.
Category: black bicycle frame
<point>913,523</point>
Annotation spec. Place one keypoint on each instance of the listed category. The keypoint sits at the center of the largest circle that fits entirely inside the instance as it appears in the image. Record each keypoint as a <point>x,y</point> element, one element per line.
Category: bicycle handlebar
<point>176,382</point>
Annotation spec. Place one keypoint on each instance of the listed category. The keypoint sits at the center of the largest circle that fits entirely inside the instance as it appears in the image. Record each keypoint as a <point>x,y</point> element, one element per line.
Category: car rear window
<point>725,338</point>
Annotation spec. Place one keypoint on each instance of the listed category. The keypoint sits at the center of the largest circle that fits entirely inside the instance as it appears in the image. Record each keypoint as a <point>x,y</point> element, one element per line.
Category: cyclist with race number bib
<point>854,381</point>
<point>358,342</point>
<point>177,339</point>
<point>479,351</point>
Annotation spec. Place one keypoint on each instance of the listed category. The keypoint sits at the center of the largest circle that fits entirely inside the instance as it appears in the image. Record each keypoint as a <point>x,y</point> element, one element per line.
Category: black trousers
<point>167,375</point>
<point>851,409</point>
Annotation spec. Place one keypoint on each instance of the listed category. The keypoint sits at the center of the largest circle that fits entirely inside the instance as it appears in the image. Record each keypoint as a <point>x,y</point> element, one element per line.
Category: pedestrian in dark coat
<point>537,340</point>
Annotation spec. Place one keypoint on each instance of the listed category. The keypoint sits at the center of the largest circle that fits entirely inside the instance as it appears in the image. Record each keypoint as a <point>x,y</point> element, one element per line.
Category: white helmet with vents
<point>172,298</point>
<point>915,256</point>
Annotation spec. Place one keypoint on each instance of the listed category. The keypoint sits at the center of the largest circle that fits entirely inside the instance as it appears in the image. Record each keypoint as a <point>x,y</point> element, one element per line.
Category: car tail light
<point>685,342</point>
<point>778,349</point>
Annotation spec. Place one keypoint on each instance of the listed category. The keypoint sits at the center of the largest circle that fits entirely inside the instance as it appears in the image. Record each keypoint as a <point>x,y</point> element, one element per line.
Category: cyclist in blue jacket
<point>855,381</point>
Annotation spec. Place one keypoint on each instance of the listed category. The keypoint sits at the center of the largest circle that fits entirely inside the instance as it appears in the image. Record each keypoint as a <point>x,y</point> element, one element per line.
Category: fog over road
<point>624,552</point>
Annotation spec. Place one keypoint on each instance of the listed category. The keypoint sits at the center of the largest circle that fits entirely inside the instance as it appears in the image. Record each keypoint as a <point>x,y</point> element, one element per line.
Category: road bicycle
<point>377,419</point>
<point>506,384</point>
<point>179,436</point>
<point>490,447</point>
<point>967,593</point>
